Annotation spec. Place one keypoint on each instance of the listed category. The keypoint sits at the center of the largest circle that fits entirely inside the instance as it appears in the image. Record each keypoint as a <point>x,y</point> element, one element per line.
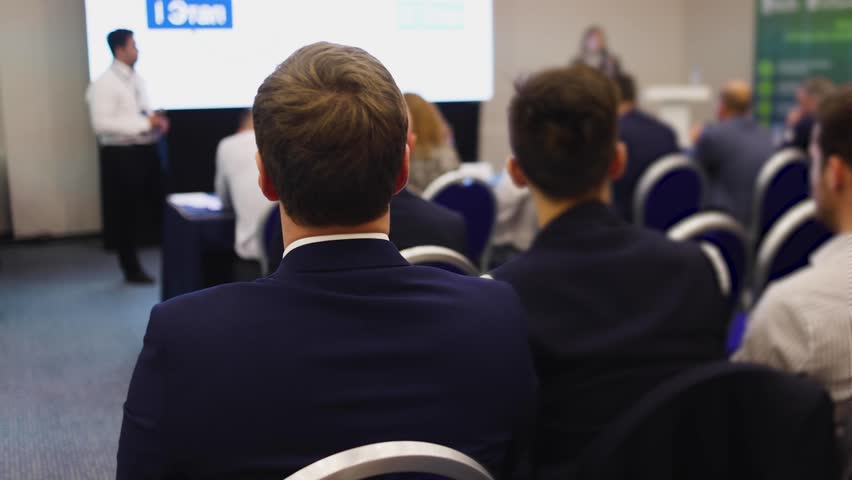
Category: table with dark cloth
<point>198,248</point>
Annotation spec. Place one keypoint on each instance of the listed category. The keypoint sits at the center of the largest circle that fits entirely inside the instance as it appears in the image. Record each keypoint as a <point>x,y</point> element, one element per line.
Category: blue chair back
<point>440,257</point>
<point>670,190</point>
<point>271,241</point>
<point>474,200</point>
<point>788,245</point>
<point>730,239</point>
<point>781,184</point>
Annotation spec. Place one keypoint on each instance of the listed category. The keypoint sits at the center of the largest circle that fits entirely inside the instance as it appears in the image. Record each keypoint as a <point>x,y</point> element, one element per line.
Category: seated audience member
<point>647,140</point>
<point>236,185</point>
<point>613,309</point>
<point>415,222</point>
<point>800,120</point>
<point>435,154</point>
<point>803,323</point>
<point>732,153</point>
<point>346,344</point>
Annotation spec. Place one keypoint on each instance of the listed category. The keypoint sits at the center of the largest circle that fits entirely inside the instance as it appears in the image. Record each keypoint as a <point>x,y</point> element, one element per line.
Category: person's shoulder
<point>195,307</point>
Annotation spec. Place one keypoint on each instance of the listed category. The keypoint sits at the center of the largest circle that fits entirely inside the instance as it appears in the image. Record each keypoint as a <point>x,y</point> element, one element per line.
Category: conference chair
<point>725,243</point>
<point>271,243</point>
<point>440,257</point>
<point>670,190</point>
<point>393,458</point>
<point>788,245</point>
<point>474,199</point>
<point>781,184</point>
<point>719,421</point>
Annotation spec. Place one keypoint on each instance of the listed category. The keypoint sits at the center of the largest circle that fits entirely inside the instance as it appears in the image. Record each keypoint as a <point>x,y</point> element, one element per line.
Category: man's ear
<point>619,162</point>
<point>837,174</point>
<point>402,178</point>
<point>264,182</point>
<point>516,173</point>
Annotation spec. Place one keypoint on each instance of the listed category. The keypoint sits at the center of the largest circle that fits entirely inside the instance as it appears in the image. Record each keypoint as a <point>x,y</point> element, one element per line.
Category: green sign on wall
<point>798,39</point>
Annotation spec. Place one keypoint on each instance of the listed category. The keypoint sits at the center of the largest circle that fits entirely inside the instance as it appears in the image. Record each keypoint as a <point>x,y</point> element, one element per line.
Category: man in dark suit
<point>733,151</point>
<point>345,344</point>
<point>613,309</point>
<point>802,117</point>
<point>416,222</point>
<point>647,140</point>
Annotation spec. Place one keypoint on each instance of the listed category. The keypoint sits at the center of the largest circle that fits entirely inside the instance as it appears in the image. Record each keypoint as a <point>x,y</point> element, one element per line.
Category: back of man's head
<point>735,98</point>
<point>118,38</point>
<point>626,88</point>
<point>563,130</point>
<point>331,129</point>
<point>835,125</point>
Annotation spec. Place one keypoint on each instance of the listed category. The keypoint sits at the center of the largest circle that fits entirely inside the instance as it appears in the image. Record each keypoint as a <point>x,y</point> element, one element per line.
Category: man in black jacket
<point>613,309</point>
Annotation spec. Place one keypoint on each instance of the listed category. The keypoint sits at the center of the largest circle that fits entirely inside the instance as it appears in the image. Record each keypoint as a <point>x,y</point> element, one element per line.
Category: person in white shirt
<point>803,323</point>
<point>236,185</point>
<point>126,129</point>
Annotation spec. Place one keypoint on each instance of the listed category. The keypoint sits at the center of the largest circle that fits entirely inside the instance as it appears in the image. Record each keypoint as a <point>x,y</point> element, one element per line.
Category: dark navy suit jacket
<point>613,309</point>
<point>345,345</point>
<point>647,140</point>
<point>732,153</point>
<point>415,222</point>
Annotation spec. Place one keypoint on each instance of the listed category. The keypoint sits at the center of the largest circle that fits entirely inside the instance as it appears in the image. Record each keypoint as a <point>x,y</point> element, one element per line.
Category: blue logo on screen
<point>189,14</point>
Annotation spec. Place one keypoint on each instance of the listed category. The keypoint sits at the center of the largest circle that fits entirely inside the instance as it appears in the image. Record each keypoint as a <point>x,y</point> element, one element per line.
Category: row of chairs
<point>715,421</point>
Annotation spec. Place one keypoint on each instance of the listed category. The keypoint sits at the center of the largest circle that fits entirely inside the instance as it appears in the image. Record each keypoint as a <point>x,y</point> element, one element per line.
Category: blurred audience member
<point>647,140</point>
<point>435,154</point>
<point>415,222</point>
<point>346,344</point>
<point>594,53</point>
<point>516,225</point>
<point>800,120</point>
<point>733,151</point>
<point>236,185</point>
<point>802,324</point>
<point>613,309</point>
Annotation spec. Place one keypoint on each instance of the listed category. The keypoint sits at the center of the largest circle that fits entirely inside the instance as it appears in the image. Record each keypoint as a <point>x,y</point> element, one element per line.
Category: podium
<point>674,105</point>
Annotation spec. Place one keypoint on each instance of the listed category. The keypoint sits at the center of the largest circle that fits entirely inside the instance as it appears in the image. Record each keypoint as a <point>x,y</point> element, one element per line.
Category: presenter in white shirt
<point>127,130</point>
<point>236,185</point>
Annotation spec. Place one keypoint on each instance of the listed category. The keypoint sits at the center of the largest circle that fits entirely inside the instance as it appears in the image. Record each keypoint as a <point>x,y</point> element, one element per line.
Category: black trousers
<point>132,191</point>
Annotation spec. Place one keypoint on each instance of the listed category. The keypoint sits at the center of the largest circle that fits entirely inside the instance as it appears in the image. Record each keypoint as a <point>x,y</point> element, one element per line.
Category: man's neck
<point>549,209</point>
<point>625,108</point>
<point>293,231</point>
<point>123,64</point>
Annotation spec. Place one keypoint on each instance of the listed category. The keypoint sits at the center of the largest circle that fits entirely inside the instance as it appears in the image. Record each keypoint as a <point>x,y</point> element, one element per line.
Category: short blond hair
<point>331,126</point>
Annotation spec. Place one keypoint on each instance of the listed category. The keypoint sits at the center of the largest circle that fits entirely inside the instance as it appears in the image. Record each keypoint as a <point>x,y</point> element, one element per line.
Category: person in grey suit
<point>732,152</point>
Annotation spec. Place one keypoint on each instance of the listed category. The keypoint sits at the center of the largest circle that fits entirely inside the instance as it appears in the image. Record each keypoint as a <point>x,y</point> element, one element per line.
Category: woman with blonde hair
<point>433,153</point>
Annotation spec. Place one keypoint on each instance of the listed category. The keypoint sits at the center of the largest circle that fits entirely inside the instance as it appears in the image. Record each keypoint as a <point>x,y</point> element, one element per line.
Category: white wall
<point>5,217</point>
<point>719,40</point>
<point>51,153</point>
<point>648,35</point>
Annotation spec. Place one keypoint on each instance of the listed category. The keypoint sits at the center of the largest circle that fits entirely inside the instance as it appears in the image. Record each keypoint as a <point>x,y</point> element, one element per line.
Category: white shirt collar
<point>330,238</point>
<point>126,71</point>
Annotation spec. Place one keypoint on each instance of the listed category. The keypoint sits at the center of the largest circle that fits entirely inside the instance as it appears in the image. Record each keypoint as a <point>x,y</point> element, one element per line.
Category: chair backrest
<point>271,246</point>
<point>788,245</point>
<point>720,421</point>
<point>440,257</point>
<point>472,198</point>
<point>722,238</point>
<point>394,457</point>
<point>781,184</point>
<point>670,190</point>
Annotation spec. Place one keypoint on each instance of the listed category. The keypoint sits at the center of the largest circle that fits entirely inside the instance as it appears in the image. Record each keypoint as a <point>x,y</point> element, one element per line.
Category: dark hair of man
<point>563,129</point>
<point>118,38</point>
<point>626,87</point>
<point>331,126</point>
<point>835,121</point>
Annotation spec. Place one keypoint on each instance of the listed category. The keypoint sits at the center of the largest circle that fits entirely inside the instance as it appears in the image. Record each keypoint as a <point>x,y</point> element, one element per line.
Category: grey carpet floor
<point>70,332</point>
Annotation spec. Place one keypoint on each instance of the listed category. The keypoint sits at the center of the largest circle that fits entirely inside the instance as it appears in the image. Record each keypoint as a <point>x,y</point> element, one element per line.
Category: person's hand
<point>159,123</point>
<point>695,133</point>
<point>793,116</point>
